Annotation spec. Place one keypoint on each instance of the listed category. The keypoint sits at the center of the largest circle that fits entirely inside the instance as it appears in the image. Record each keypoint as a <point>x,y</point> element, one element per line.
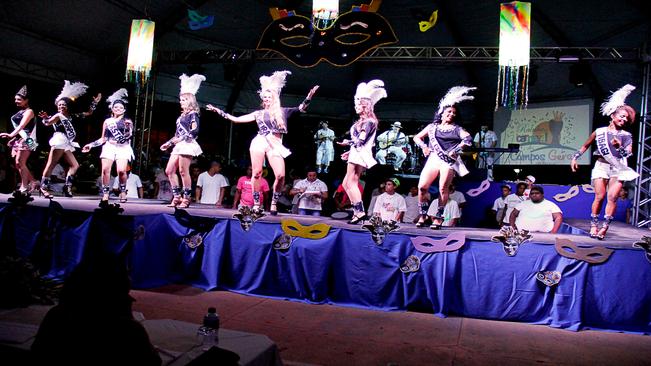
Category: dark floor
<point>333,335</point>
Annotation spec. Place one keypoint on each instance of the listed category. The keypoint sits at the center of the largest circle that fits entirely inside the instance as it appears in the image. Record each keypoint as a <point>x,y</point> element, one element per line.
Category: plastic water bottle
<point>210,329</point>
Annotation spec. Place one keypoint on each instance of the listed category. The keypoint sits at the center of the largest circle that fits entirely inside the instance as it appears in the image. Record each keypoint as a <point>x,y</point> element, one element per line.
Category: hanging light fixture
<point>513,77</point>
<point>324,13</point>
<point>141,49</point>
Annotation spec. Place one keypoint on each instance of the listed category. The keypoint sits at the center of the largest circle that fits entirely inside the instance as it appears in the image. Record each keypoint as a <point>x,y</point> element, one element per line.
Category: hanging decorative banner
<point>586,253</point>
<point>426,25</point>
<point>515,34</point>
<point>349,37</point>
<point>141,49</point>
<point>549,278</point>
<point>451,243</point>
<point>197,21</point>
<point>380,228</point>
<point>324,13</point>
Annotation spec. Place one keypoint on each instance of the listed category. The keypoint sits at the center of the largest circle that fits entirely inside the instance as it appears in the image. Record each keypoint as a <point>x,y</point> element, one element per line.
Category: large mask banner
<point>548,133</point>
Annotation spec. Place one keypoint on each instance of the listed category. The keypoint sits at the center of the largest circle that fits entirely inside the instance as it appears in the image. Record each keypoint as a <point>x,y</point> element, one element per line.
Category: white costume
<point>392,141</point>
<point>361,151</point>
<point>325,152</point>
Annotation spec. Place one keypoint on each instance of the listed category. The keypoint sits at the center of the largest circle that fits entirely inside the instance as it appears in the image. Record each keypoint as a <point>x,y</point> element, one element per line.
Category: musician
<point>325,152</point>
<point>485,138</point>
<point>392,141</point>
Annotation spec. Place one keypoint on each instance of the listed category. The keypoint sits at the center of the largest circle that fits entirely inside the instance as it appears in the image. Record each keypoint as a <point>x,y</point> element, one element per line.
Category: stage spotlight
<point>579,74</point>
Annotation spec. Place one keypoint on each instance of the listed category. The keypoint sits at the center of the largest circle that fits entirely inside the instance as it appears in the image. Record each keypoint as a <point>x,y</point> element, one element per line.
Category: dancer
<point>184,141</point>
<point>272,124</point>
<point>62,143</point>
<point>116,144</point>
<point>25,129</point>
<point>614,145</point>
<point>446,141</point>
<point>362,133</point>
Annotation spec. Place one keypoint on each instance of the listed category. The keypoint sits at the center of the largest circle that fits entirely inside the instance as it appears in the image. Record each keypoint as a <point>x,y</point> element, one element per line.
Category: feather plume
<point>455,95</point>
<point>120,95</point>
<point>191,84</point>
<point>72,91</point>
<point>616,100</point>
<point>373,90</point>
<point>275,82</point>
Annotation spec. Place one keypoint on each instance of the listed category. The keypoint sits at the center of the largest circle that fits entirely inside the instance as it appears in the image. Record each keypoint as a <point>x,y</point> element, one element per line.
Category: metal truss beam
<point>33,71</point>
<point>413,54</point>
<point>642,206</point>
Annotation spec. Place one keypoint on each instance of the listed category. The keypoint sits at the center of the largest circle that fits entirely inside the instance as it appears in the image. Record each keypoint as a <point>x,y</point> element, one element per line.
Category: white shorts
<point>362,156</point>
<point>187,148</point>
<point>117,152</point>
<point>263,144</point>
<point>60,141</point>
<point>603,170</point>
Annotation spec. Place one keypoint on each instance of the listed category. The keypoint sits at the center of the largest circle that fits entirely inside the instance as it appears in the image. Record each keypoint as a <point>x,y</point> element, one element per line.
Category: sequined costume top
<point>267,125</point>
<point>187,126</point>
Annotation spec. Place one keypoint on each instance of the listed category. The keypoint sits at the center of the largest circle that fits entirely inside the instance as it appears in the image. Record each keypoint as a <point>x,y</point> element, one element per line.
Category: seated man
<point>390,206</point>
<point>451,212</point>
<point>537,213</point>
<point>392,141</point>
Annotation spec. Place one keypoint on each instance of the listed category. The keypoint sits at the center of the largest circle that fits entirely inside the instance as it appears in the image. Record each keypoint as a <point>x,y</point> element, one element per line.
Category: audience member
<point>93,323</point>
<point>457,196</point>
<point>162,186</point>
<point>134,185</point>
<point>537,213</point>
<point>211,186</point>
<point>411,200</point>
<point>513,200</point>
<point>500,203</point>
<point>390,206</point>
<point>244,193</point>
<point>375,193</point>
<point>451,212</point>
<point>529,180</point>
<point>624,206</point>
<point>311,192</point>
<point>342,202</point>
<point>194,175</point>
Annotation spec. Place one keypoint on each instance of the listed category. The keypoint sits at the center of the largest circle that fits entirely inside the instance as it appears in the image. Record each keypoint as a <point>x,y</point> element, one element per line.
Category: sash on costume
<point>442,155</point>
<point>624,173</point>
<point>112,126</point>
<point>68,128</point>
<point>183,133</point>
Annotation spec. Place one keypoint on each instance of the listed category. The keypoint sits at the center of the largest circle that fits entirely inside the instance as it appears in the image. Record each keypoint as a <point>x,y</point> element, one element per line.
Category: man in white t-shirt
<point>134,185</point>
<point>457,196</point>
<point>513,200</point>
<point>162,186</point>
<point>413,207</point>
<point>485,139</point>
<point>500,203</point>
<point>529,180</point>
<point>451,212</point>
<point>312,191</point>
<point>390,206</point>
<point>537,213</point>
<point>211,186</point>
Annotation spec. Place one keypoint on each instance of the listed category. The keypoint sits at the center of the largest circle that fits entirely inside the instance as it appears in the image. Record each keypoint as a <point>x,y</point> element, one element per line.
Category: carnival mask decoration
<point>451,243</point>
<point>411,264</point>
<point>511,239</point>
<point>193,240</point>
<point>352,35</point>
<point>295,229</point>
<point>644,244</point>
<point>109,209</point>
<point>586,253</point>
<point>247,217</point>
<point>380,228</point>
<point>139,232</point>
<point>283,242</point>
<point>20,199</point>
<point>549,278</point>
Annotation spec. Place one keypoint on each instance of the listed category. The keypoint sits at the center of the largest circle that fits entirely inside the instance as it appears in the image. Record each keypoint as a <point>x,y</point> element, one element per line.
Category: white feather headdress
<point>616,100</point>
<point>373,90</point>
<point>72,91</point>
<point>275,82</point>
<point>455,95</point>
<point>191,84</point>
<point>120,95</point>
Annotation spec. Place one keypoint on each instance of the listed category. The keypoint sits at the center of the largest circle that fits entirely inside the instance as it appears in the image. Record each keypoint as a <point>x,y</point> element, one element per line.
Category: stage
<point>207,248</point>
